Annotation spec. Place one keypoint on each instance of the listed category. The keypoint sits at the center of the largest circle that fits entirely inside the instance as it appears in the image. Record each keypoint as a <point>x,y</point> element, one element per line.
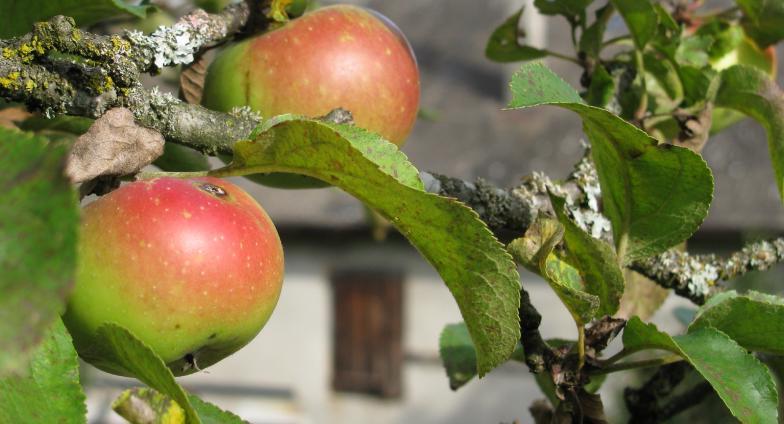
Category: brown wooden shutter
<point>367,342</point>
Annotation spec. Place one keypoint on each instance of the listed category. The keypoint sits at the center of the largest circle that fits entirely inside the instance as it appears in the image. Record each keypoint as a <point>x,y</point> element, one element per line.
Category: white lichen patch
<point>177,44</point>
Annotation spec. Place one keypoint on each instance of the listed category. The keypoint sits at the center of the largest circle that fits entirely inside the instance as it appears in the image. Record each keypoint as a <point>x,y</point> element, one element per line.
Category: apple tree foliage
<point>655,191</point>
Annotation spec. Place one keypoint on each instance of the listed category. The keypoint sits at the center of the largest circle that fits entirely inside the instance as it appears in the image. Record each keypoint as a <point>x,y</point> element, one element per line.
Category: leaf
<point>567,8</point>
<point>113,145</point>
<point>641,296</point>
<point>474,265</point>
<point>641,19</point>
<point>656,196</point>
<point>179,158</point>
<point>696,83</point>
<point>39,217</point>
<point>63,123</point>
<point>740,379</point>
<point>504,44</point>
<point>665,90</point>
<point>145,405</point>
<point>595,260</point>
<point>18,17</point>
<point>753,93</point>
<point>602,88</point>
<point>277,10</point>
<point>535,252</point>
<point>192,79</point>
<point>120,350</point>
<point>591,40</point>
<point>762,20</point>
<point>755,321</point>
<point>458,354</point>
<point>48,390</point>
<point>693,51</point>
<point>211,414</point>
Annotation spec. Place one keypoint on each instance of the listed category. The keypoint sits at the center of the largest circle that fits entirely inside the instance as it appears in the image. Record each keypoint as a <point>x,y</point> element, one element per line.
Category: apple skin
<point>338,56</point>
<point>193,268</point>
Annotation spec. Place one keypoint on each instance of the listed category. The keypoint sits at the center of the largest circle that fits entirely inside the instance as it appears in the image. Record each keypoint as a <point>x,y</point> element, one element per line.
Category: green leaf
<point>535,252</point>
<point>568,8</point>
<point>693,50</point>
<point>755,321</point>
<point>18,17</point>
<point>725,35</point>
<point>655,195</point>
<point>696,83</point>
<point>665,91</point>
<point>277,10</point>
<point>641,19</point>
<point>211,414</point>
<point>762,20</point>
<point>458,354</point>
<point>503,45</point>
<point>740,379</point>
<point>595,260</point>
<point>178,158</point>
<point>668,29</point>
<point>39,217</point>
<point>121,350</point>
<point>473,264</point>
<point>753,93</point>
<point>76,125</point>
<point>591,40</point>
<point>601,91</point>
<point>48,390</point>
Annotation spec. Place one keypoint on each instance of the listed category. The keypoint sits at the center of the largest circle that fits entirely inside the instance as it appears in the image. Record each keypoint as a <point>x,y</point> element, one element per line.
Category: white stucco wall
<point>293,354</point>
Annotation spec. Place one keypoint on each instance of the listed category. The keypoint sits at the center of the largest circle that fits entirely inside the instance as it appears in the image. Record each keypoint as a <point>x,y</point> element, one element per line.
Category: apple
<point>192,267</point>
<point>338,56</point>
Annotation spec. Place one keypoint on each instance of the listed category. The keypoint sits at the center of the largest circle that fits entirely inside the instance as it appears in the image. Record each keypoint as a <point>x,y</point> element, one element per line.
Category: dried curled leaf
<point>114,145</point>
<point>192,80</point>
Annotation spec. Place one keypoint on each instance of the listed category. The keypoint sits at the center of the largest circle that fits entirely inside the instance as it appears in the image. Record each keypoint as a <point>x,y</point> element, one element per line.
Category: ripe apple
<point>193,268</point>
<point>338,56</point>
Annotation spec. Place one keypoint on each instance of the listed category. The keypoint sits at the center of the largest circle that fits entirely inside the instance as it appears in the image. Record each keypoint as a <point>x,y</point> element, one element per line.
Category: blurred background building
<point>313,363</point>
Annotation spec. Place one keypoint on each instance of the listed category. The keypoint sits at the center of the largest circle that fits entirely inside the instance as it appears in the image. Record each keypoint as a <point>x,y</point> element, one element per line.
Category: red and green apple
<point>193,268</point>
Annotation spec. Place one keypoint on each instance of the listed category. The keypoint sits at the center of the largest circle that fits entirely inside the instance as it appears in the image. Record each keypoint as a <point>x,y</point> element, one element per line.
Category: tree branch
<point>93,73</point>
<point>509,212</point>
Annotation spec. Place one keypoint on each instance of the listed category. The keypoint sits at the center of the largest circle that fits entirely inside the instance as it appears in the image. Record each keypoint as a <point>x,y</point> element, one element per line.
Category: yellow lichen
<point>76,35</point>
<point>12,80</point>
<point>30,85</point>
<point>120,44</point>
<point>9,53</point>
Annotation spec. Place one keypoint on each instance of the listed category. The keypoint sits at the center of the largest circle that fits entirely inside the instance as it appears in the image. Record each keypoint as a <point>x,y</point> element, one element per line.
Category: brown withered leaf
<point>10,116</point>
<point>192,80</point>
<point>114,145</point>
<point>602,332</point>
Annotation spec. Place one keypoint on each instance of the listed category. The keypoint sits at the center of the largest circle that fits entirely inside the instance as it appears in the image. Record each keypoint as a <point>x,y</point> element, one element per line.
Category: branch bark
<point>104,74</point>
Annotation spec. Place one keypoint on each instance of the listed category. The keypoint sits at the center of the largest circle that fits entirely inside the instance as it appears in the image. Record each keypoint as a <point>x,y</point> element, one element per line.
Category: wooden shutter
<point>367,342</point>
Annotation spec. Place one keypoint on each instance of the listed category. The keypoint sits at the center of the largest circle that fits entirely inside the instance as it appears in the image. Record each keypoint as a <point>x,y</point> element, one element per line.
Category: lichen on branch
<point>58,68</point>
